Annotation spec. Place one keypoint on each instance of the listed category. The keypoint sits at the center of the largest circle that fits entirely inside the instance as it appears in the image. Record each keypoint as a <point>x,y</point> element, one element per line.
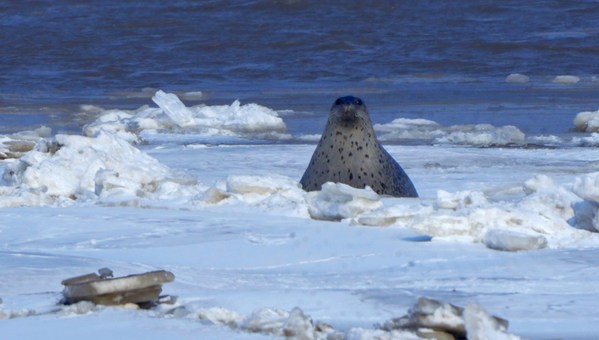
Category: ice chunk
<point>541,218</point>
<point>298,326</point>
<point>566,79</point>
<point>272,193</point>
<point>86,167</point>
<point>173,118</point>
<point>14,145</point>
<point>462,199</point>
<point>336,201</point>
<point>587,187</point>
<point>508,240</point>
<point>517,78</point>
<point>400,214</point>
<point>426,130</point>
<point>482,326</point>
<point>587,121</point>
<point>442,320</point>
<point>259,184</point>
<point>266,320</point>
<point>220,316</point>
<point>174,108</point>
<point>484,135</point>
<point>538,183</point>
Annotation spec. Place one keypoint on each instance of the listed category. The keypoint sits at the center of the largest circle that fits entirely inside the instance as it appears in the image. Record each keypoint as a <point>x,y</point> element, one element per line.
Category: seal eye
<point>338,101</point>
<point>358,102</point>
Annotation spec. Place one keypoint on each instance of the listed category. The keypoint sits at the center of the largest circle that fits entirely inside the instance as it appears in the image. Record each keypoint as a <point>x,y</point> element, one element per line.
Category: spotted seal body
<point>349,152</point>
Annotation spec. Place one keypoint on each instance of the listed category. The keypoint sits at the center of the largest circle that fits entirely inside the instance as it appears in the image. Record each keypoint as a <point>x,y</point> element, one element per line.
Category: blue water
<point>441,60</point>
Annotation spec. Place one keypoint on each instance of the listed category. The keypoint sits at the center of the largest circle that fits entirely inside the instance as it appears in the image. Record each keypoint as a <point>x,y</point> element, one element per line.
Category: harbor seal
<point>349,152</point>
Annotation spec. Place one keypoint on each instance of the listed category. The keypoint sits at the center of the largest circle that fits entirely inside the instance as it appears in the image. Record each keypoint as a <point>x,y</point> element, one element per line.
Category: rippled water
<point>441,60</point>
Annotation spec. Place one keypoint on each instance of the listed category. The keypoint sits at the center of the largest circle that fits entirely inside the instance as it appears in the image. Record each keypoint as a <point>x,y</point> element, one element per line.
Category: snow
<point>255,256</point>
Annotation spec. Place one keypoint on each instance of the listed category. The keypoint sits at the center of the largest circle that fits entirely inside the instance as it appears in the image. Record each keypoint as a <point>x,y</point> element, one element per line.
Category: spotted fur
<point>349,152</point>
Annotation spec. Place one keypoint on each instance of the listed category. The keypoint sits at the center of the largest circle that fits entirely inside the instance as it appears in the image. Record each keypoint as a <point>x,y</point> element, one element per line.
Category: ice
<point>481,326</point>
<point>566,79</point>
<point>14,145</point>
<point>588,141</point>
<point>436,319</point>
<point>270,193</point>
<point>538,219</point>
<point>517,78</point>
<point>172,116</point>
<point>587,187</point>
<point>294,324</point>
<point>508,240</point>
<point>174,108</point>
<point>587,121</point>
<point>337,201</point>
<point>460,200</point>
<point>221,316</point>
<point>85,168</point>
<point>481,135</point>
<point>233,225</point>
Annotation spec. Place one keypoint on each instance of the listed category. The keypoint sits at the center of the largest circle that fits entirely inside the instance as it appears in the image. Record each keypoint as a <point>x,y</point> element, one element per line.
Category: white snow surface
<point>247,245</point>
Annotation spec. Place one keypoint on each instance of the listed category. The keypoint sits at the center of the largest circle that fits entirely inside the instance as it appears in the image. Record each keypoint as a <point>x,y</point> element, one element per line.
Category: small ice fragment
<point>538,183</point>
<point>193,95</point>
<point>481,326</point>
<point>566,79</point>
<point>174,108</point>
<point>337,201</point>
<point>220,316</point>
<point>298,325</point>
<point>587,187</point>
<point>517,78</point>
<point>507,240</point>
<point>459,200</point>
<point>587,121</point>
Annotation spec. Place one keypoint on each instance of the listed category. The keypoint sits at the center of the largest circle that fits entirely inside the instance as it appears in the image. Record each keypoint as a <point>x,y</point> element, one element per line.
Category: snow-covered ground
<point>247,245</point>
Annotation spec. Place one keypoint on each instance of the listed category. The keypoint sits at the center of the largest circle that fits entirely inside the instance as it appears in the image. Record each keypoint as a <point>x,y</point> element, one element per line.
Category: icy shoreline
<point>108,170</point>
<point>233,224</point>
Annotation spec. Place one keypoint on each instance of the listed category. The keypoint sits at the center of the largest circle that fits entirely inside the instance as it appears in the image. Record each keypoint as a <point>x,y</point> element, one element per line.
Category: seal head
<point>349,152</point>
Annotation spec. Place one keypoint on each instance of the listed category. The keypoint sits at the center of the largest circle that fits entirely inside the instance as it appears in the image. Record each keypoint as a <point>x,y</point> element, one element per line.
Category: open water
<point>441,60</point>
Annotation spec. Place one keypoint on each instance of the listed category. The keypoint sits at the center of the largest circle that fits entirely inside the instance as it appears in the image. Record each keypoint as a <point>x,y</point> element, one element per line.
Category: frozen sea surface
<point>490,108</point>
<point>247,245</point>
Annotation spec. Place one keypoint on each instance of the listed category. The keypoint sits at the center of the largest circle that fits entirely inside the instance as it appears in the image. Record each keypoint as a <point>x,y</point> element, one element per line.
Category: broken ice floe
<point>433,319</point>
<point>106,169</point>
<point>483,135</point>
<point>427,319</point>
<point>16,144</point>
<point>587,121</point>
<point>517,78</point>
<point>103,167</point>
<point>541,218</point>
<point>566,79</point>
<point>172,116</point>
<point>337,201</point>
